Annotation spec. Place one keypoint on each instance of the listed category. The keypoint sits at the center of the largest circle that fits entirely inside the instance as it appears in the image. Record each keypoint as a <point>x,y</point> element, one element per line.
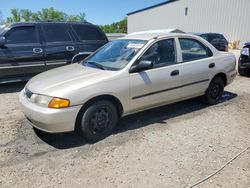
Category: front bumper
<point>47,119</point>
<point>244,65</point>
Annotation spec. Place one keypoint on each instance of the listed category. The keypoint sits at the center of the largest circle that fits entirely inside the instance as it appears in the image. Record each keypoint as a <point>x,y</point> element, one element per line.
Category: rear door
<point>59,47</point>
<point>22,56</point>
<point>195,68</point>
<point>89,37</point>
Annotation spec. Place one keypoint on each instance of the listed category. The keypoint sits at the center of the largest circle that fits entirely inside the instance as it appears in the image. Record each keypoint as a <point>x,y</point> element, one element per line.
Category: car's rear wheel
<point>214,91</point>
<point>98,120</point>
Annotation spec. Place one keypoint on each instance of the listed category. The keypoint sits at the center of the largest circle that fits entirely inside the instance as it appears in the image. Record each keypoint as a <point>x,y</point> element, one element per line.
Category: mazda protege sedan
<point>138,72</point>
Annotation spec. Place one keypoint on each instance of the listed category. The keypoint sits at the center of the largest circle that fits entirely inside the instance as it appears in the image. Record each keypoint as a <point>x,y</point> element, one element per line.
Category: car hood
<point>61,81</point>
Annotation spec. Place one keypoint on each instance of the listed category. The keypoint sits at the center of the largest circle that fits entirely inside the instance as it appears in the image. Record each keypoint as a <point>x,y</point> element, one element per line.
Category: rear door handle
<point>70,48</point>
<point>37,50</point>
<point>175,73</point>
<point>211,65</point>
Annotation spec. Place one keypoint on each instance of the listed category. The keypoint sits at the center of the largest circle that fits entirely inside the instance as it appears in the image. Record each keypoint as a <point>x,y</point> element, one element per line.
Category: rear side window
<point>193,50</point>
<point>22,35</point>
<point>56,33</point>
<point>86,32</point>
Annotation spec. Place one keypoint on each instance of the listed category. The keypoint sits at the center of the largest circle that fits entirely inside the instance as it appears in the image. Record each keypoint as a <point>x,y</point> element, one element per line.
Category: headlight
<point>51,102</point>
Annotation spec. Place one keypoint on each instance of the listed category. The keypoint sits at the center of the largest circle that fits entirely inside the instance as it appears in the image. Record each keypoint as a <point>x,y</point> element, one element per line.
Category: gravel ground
<point>172,146</point>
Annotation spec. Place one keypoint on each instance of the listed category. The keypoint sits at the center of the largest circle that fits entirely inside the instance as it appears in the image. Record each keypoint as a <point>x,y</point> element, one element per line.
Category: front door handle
<point>175,73</point>
<point>211,65</point>
<point>37,50</point>
<point>70,48</point>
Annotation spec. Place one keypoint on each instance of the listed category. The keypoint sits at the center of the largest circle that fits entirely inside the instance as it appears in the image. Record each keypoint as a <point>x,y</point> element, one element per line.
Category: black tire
<point>98,120</point>
<point>214,91</point>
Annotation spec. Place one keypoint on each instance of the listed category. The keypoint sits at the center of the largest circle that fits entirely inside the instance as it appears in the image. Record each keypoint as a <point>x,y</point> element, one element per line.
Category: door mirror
<point>81,56</point>
<point>142,65</point>
<point>3,41</point>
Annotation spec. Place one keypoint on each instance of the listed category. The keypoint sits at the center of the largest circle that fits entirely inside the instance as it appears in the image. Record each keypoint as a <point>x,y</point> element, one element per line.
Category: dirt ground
<point>172,146</point>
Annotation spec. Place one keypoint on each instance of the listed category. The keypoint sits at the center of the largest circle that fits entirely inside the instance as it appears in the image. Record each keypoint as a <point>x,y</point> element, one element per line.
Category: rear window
<point>22,35</point>
<point>56,33</point>
<point>86,32</point>
<point>215,37</point>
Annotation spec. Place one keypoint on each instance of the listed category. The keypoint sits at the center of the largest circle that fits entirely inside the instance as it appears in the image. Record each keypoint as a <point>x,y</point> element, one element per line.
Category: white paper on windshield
<point>245,51</point>
<point>135,45</point>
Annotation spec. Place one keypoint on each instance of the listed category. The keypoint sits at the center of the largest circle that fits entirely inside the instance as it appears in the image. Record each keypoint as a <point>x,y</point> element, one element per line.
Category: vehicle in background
<point>27,49</point>
<point>132,74</point>
<point>216,39</point>
<point>244,60</point>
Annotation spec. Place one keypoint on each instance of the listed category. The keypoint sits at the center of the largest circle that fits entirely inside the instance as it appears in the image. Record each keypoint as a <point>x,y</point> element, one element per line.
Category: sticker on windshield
<point>245,51</point>
<point>135,45</point>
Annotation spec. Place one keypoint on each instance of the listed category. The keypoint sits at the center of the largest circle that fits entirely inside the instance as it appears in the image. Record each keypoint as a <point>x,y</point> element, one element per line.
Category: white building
<point>229,17</point>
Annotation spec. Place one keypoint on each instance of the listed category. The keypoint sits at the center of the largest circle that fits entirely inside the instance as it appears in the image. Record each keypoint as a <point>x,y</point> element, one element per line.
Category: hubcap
<point>215,91</point>
<point>100,120</point>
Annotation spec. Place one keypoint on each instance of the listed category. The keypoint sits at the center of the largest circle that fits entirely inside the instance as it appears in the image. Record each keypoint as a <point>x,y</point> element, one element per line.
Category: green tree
<point>82,16</point>
<point>51,14</point>
<point>116,27</point>
<point>15,16</point>
<point>26,15</point>
<point>45,14</point>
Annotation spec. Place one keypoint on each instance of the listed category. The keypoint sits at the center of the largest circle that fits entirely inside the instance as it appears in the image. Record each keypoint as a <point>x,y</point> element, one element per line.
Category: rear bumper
<point>47,119</point>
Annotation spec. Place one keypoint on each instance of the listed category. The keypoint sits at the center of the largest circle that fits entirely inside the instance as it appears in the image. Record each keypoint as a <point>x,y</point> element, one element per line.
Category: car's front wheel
<point>98,120</point>
<point>214,91</point>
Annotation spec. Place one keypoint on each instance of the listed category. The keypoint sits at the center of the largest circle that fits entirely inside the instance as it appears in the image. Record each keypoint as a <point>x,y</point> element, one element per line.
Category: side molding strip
<point>169,89</point>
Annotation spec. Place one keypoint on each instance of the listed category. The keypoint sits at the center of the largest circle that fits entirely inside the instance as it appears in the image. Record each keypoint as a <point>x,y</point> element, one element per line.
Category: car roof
<point>150,34</point>
<point>198,33</point>
<point>154,34</point>
<point>47,22</point>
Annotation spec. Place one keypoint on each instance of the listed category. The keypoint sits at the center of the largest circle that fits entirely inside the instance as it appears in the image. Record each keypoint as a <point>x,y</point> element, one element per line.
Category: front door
<point>22,56</point>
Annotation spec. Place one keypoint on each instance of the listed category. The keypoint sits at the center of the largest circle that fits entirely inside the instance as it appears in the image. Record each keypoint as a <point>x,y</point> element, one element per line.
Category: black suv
<point>27,49</point>
<point>244,61</point>
<point>216,39</point>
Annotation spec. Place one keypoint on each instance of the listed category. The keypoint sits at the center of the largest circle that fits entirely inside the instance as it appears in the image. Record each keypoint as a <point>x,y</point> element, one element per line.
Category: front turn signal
<point>58,103</point>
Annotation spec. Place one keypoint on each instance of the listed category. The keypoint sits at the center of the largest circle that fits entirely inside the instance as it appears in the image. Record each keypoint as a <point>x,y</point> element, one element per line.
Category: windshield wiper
<point>97,65</point>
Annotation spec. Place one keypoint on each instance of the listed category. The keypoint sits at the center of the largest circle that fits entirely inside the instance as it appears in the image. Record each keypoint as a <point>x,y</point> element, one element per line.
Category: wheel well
<point>223,76</point>
<point>111,98</point>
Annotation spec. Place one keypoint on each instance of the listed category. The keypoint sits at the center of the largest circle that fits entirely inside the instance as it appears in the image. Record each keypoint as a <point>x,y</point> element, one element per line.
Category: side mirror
<point>142,65</point>
<point>3,41</point>
<point>81,56</point>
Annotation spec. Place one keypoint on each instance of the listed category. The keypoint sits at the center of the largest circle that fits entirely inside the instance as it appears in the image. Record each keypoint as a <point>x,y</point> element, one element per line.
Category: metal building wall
<point>230,17</point>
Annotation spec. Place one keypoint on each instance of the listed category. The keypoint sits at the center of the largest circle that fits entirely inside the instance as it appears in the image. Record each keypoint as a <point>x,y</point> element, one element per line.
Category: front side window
<point>115,55</point>
<point>22,35</point>
<point>192,49</point>
<point>56,33</point>
<point>161,53</point>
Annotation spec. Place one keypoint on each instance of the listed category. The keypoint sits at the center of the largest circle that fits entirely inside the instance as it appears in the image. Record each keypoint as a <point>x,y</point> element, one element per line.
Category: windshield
<point>115,55</point>
<point>2,27</point>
